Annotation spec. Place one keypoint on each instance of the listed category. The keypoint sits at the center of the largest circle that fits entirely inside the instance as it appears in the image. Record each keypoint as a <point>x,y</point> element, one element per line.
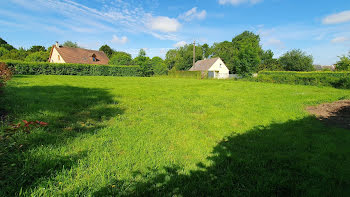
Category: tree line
<point>242,55</point>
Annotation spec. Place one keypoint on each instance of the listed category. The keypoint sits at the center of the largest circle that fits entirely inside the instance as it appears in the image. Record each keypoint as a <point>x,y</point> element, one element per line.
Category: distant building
<point>215,66</point>
<point>60,54</point>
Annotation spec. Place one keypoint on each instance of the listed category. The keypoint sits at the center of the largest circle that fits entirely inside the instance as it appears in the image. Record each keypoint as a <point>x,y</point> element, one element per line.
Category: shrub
<point>46,68</point>
<point>324,78</point>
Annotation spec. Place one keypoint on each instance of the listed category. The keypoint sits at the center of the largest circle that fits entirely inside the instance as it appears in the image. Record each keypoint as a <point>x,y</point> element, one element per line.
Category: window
<point>94,59</point>
<point>58,57</point>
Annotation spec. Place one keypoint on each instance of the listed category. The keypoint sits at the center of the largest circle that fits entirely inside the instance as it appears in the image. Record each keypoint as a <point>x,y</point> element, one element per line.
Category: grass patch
<point>166,136</point>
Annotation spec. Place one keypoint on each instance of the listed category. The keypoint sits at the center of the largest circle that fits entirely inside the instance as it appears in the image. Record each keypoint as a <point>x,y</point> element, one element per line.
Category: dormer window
<point>93,57</point>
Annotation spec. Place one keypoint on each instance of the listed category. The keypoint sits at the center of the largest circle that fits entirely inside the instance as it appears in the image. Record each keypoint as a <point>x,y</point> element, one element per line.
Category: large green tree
<point>247,52</point>
<point>297,60</point>
<point>41,56</point>
<point>182,57</point>
<point>144,62</point>
<point>71,44</point>
<point>268,63</point>
<point>3,51</point>
<point>7,46</point>
<point>158,66</point>
<point>120,58</point>
<point>36,48</point>
<point>343,63</point>
<point>171,58</point>
<point>15,54</point>
<point>226,52</point>
<point>107,50</point>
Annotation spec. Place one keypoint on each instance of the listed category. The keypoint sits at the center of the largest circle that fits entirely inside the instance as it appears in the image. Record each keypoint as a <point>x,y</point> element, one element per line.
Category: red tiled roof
<point>82,56</point>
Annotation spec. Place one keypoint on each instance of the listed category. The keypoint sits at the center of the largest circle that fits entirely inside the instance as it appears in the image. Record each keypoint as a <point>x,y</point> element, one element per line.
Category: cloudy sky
<point>321,28</point>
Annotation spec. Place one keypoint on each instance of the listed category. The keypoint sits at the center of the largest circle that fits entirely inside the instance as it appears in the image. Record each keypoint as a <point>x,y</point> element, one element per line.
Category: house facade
<point>215,67</point>
<point>60,54</point>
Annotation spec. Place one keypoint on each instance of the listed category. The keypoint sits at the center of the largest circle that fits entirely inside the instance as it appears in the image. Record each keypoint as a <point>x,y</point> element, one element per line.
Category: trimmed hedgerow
<point>333,79</point>
<point>187,74</point>
<point>46,68</point>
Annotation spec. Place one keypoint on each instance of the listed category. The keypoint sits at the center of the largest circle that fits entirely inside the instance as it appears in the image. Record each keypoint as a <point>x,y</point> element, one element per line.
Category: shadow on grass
<point>69,111</point>
<point>296,158</point>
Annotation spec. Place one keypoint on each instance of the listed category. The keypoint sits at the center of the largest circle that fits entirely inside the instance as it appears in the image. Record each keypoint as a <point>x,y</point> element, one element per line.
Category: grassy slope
<point>144,136</point>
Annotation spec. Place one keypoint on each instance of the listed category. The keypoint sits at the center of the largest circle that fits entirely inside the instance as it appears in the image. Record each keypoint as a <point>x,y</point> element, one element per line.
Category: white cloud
<point>164,24</point>
<point>337,18</point>
<point>180,44</point>
<point>339,39</point>
<point>237,2</point>
<point>193,14</point>
<point>111,17</point>
<point>119,40</point>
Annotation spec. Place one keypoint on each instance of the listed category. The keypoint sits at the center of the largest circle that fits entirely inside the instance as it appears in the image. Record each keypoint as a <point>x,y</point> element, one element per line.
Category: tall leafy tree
<point>343,63</point>
<point>268,63</point>
<point>144,62</point>
<point>71,44</point>
<point>297,60</point>
<point>3,51</point>
<point>36,48</point>
<point>7,46</point>
<point>120,58</point>
<point>206,50</point>
<point>40,56</point>
<point>15,54</point>
<point>171,58</point>
<point>158,66</point>
<point>107,50</point>
<point>226,52</point>
<point>247,51</point>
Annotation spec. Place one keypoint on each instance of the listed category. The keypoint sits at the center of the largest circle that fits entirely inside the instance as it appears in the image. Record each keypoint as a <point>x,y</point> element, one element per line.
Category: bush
<point>46,68</point>
<point>333,79</point>
<point>186,74</point>
<point>5,74</point>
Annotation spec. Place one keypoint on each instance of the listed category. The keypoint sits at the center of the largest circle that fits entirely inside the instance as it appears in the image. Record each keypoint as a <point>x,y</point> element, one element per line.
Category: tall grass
<point>109,136</point>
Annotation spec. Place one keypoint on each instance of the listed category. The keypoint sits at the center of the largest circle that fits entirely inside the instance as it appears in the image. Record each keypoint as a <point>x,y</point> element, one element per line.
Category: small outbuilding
<point>215,67</point>
<point>61,54</point>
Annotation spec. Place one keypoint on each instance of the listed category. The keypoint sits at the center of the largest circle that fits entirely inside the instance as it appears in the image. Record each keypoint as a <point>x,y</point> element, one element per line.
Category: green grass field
<point>171,137</point>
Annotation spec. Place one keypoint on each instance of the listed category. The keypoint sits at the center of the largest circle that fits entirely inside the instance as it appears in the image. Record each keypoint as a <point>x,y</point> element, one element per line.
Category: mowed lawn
<point>171,137</point>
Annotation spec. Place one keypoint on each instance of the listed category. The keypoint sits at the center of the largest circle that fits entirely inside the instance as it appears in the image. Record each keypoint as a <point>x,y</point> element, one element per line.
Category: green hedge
<point>46,68</point>
<point>333,79</point>
<point>187,74</point>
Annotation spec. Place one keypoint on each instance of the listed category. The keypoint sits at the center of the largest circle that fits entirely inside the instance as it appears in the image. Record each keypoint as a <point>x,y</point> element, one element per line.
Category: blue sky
<point>319,27</point>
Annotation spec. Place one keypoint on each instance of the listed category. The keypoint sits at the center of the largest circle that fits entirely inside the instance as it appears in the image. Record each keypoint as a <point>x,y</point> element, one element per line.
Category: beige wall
<point>56,57</point>
<point>220,70</point>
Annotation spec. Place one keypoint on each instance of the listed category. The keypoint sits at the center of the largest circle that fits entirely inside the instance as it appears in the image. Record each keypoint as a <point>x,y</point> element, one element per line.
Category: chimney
<point>57,45</point>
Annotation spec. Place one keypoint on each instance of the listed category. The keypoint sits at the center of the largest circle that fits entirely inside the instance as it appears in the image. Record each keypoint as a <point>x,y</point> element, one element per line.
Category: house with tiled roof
<point>61,54</point>
<point>215,67</point>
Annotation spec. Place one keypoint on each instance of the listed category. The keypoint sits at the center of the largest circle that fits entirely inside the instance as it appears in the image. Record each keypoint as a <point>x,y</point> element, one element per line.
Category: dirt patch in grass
<point>333,114</point>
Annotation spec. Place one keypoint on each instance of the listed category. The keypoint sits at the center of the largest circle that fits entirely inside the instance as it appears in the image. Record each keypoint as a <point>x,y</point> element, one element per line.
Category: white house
<point>215,66</point>
<point>60,54</point>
